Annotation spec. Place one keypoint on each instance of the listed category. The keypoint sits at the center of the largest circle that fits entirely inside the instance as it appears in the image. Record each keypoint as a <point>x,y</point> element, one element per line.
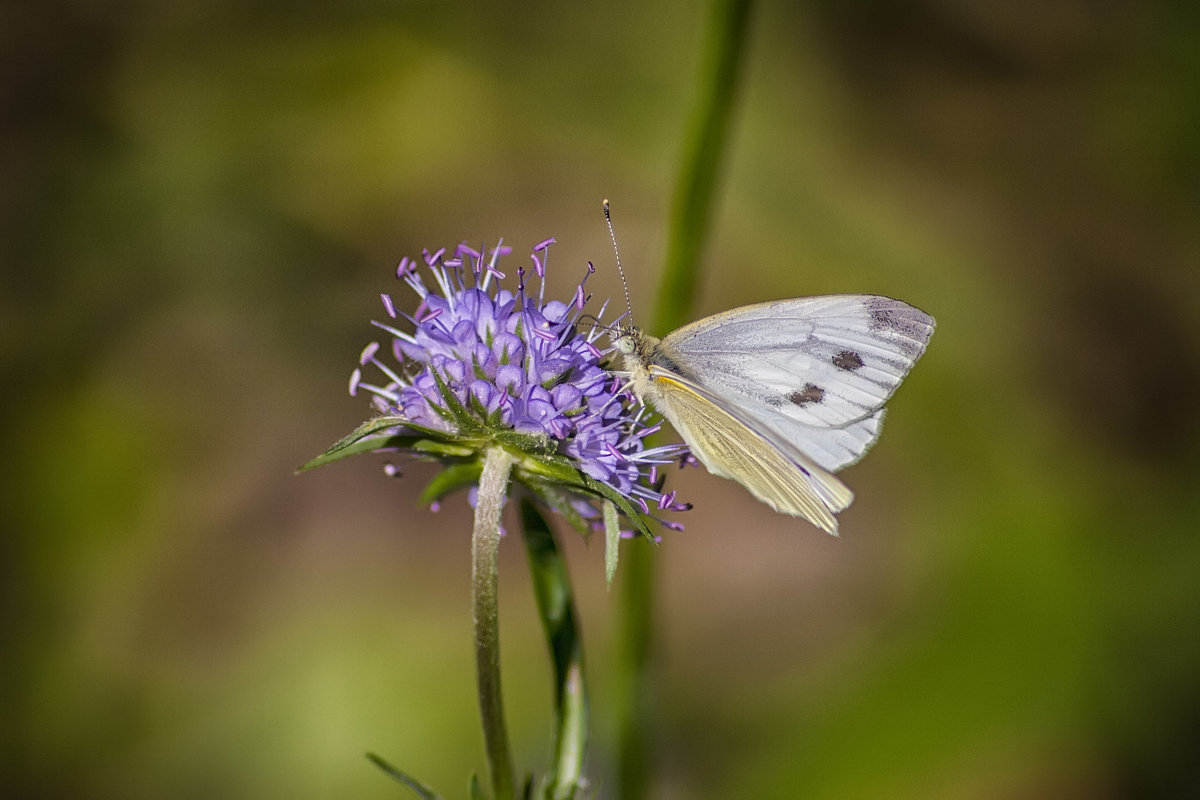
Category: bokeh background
<point>202,200</point>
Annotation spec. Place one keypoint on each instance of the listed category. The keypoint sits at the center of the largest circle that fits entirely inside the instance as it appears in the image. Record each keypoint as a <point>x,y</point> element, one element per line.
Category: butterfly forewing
<point>778,396</point>
<point>823,362</point>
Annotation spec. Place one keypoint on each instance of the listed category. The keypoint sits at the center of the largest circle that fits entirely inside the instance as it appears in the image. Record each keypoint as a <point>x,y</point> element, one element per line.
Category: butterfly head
<point>626,340</point>
<point>638,351</point>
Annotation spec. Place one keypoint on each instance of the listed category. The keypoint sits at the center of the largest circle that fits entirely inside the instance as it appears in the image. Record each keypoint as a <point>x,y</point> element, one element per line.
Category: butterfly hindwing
<point>787,481</point>
<point>833,448</point>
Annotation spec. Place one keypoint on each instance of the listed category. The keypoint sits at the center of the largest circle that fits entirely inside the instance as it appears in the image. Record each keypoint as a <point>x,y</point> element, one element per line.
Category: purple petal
<point>554,311</point>
<point>510,378</point>
<point>508,348</point>
<point>566,397</point>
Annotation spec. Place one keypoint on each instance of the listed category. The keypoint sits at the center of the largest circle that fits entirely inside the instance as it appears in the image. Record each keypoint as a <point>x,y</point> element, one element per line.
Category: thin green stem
<point>700,163</point>
<point>691,208</point>
<point>552,590</point>
<point>485,550</point>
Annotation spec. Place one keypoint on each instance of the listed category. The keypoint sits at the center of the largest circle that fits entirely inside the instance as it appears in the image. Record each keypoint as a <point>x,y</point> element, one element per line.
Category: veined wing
<point>821,362</point>
<point>833,448</point>
<point>788,481</point>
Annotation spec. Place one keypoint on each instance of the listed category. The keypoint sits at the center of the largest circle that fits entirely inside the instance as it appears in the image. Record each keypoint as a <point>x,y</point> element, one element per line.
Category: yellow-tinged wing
<point>730,447</point>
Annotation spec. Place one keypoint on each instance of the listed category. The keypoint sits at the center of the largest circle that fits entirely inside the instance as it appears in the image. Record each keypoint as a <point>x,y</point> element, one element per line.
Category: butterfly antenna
<point>617,252</point>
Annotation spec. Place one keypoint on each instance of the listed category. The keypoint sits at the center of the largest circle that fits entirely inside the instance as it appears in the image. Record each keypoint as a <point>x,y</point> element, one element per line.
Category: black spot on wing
<point>847,360</point>
<point>810,394</point>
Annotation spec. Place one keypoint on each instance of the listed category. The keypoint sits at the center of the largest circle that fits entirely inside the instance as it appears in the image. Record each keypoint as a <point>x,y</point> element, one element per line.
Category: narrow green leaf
<point>372,435</point>
<point>525,442</point>
<point>632,512</point>
<point>442,449</point>
<point>553,467</point>
<point>561,472</point>
<point>548,493</point>
<point>422,791</point>
<point>358,441</point>
<point>450,479</point>
<point>552,591</point>
<point>612,541</point>
<point>474,790</point>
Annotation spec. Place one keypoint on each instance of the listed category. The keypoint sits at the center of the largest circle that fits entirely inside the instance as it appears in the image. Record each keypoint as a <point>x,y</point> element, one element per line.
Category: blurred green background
<point>202,200</point>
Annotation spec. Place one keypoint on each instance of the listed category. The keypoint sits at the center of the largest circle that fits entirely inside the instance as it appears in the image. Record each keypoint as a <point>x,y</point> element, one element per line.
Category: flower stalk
<point>485,549</point>
<point>505,388</point>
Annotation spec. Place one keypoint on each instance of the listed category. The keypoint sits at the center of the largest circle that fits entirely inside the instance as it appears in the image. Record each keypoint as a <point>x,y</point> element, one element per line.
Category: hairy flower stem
<point>485,548</point>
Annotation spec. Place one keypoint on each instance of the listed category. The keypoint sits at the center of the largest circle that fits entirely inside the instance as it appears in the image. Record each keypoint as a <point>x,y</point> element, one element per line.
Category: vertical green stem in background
<point>552,590</point>
<point>700,163</point>
<point>485,550</point>
<point>695,190</point>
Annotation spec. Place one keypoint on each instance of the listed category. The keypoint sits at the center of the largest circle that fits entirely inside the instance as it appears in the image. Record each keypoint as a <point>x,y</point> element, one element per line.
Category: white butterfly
<point>778,396</point>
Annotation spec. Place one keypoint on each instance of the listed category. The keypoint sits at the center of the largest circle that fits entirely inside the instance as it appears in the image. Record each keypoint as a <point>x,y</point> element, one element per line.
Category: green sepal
<point>551,497</point>
<point>400,776</point>
<point>477,369</point>
<point>479,409</point>
<point>538,466</point>
<point>451,479</point>
<point>464,420</point>
<point>442,449</point>
<point>559,470</point>
<point>365,439</point>
<point>521,444</point>
<point>612,541</point>
<point>631,511</point>
<point>556,468</point>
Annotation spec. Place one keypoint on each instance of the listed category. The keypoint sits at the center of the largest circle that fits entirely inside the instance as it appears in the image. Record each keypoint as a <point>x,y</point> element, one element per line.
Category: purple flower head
<point>476,364</point>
